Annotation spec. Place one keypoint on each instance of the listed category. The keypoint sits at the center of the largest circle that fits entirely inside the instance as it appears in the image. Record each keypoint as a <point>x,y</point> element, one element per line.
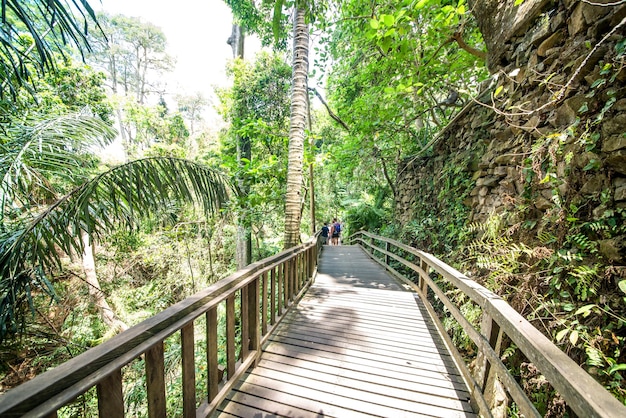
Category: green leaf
<point>276,18</point>
<point>374,23</point>
<point>388,20</point>
<point>420,4</point>
<point>617,367</point>
<point>622,285</point>
<point>498,91</point>
<point>561,334</point>
<point>585,310</point>
<point>518,2</point>
<point>573,337</point>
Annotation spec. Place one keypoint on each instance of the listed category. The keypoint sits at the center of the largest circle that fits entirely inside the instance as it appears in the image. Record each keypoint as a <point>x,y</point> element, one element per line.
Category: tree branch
<point>330,112</point>
<point>458,37</point>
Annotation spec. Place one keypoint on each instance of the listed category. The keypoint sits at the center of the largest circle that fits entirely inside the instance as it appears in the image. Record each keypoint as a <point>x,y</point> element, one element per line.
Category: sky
<point>196,32</point>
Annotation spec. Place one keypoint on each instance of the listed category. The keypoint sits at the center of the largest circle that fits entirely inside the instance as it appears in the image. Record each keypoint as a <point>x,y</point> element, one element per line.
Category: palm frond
<point>115,199</point>
<point>32,32</point>
<point>33,152</point>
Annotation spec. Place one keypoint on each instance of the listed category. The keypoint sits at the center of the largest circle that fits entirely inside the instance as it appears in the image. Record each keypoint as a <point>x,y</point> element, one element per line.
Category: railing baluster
<point>211,353</point>
<point>491,330</point>
<point>245,333</point>
<point>189,370</point>
<point>287,282</point>
<point>253,317</point>
<point>273,296</point>
<point>264,304</point>
<point>280,294</point>
<point>155,377</point>
<point>110,396</point>
<point>231,358</point>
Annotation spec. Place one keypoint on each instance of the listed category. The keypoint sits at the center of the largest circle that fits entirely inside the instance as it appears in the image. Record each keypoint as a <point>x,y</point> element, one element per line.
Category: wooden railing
<point>266,290</point>
<point>585,396</point>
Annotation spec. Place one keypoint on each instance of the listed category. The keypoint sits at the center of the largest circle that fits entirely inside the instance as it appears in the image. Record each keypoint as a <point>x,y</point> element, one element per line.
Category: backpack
<point>337,228</point>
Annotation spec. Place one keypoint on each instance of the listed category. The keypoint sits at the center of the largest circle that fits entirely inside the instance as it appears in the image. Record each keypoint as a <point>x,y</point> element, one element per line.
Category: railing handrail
<point>46,393</point>
<point>581,392</point>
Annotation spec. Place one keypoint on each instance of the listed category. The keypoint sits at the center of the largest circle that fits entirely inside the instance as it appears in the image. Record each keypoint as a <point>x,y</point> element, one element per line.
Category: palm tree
<point>37,228</point>
<point>297,123</point>
<point>31,32</point>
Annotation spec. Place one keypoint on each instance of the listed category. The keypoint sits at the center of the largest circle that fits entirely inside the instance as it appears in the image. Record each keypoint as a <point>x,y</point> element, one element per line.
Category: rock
<point>542,203</point>
<point>614,143</point>
<point>593,14</point>
<point>557,22</point>
<point>613,249</point>
<point>549,43</point>
<point>581,160</point>
<point>614,126</point>
<point>567,113</point>
<point>620,194</point>
<point>617,161</point>
<point>620,105</point>
<point>500,171</point>
<point>585,64</point>
<point>593,186</point>
<point>576,21</point>
<point>487,181</point>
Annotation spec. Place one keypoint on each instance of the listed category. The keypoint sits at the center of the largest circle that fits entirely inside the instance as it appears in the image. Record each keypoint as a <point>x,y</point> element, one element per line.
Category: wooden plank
<point>188,371</point>
<point>373,367</point>
<point>110,396</point>
<point>392,343</point>
<point>361,327</point>
<point>155,380</point>
<point>211,354</point>
<point>337,373</point>
<point>327,395</point>
<point>413,397</point>
<point>367,347</point>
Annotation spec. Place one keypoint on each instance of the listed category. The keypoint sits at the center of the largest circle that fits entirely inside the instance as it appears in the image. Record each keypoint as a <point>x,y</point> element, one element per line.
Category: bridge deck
<point>358,344</point>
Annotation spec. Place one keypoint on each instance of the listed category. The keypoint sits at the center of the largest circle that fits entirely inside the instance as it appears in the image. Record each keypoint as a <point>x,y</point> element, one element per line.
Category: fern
<point>594,356</point>
<point>546,237</point>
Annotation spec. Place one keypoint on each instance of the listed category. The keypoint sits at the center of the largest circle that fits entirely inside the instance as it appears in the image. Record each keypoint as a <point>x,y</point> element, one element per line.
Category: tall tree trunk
<point>244,234</point>
<point>106,313</point>
<point>293,199</point>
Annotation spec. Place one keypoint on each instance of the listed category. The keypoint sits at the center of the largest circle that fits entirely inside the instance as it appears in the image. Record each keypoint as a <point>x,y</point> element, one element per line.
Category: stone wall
<point>549,132</point>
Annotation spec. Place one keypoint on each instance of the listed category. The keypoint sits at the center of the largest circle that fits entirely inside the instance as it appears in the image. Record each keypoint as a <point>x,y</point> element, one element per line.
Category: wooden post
<point>155,377</point>
<point>211,353</point>
<point>423,284</point>
<point>189,371</point>
<point>231,359</point>
<point>491,330</point>
<point>387,248</point>
<point>110,396</point>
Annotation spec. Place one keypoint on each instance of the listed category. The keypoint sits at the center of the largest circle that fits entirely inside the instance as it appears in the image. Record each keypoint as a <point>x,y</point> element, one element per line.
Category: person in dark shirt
<point>324,233</point>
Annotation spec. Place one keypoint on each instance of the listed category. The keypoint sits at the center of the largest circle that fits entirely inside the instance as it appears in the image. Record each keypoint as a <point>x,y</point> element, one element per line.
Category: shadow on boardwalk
<point>357,345</point>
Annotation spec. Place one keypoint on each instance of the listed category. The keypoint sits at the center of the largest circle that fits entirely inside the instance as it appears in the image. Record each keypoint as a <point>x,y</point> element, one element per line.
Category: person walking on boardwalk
<point>324,233</point>
<point>336,232</point>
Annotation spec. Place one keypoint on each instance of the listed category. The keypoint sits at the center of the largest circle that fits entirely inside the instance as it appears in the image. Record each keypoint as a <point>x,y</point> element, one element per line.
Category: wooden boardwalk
<point>357,345</point>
